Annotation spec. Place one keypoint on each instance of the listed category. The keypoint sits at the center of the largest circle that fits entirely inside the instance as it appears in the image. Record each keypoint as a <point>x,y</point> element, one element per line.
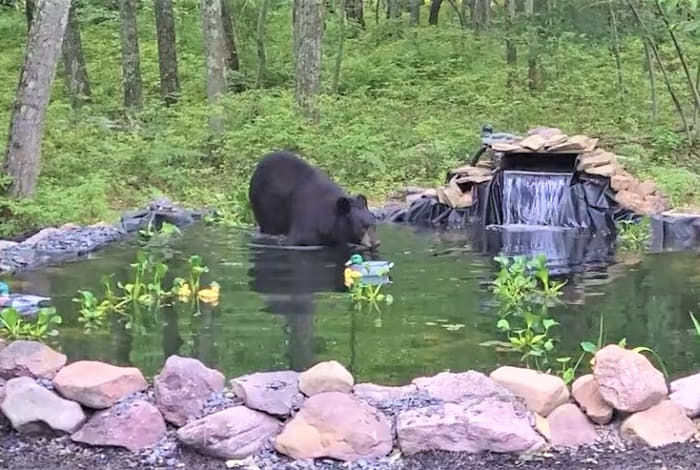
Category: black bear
<point>290,197</point>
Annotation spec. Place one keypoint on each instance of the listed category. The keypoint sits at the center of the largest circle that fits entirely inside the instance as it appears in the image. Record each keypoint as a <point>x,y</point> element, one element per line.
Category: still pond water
<point>278,308</point>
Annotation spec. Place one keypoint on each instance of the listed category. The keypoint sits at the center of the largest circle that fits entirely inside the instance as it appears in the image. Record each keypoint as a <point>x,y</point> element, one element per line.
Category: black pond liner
<point>581,233</point>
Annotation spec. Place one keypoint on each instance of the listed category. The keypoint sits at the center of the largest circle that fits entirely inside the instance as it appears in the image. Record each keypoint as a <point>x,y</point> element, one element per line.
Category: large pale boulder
<point>489,425</point>
<point>275,393</point>
<point>329,376</point>
<point>569,427</point>
<point>379,393</point>
<point>461,387</point>
<point>336,425</point>
<point>662,424</point>
<point>586,392</point>
<point>30,359</point>
<point>183,387</point>
<point>31,408</point>
<point>96,384</point>
<point>686,393</point>
<point>541,392</point>
<point>627,380</point>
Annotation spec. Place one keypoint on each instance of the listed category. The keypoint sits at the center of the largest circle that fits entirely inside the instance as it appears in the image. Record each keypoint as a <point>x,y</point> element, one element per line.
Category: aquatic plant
<point>164,234</point>
<point>633,235</point>
<point>93,312</point>
<point>196,271</point>
<point>696,323</point>
<point>362,292</point>
<point>15,326</point>
<point>524,289</point>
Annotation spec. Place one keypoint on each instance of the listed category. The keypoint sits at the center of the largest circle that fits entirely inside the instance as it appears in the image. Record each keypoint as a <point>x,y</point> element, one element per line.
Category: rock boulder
<point>233,433</point>
<point>587,394</point>
<point>541,392</point>
<point>30,359</point>
<point>133,425</point>
<point>276,393</point>
<point>96,384</point>
<point>31,408</point>
<point>662,424</point>
<point>336,425</point>
<point>329,376</point>
<point>627,380</point>
<point>183,387</point>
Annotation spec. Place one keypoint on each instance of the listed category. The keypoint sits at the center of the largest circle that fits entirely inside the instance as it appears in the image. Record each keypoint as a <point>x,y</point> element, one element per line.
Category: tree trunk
<point>74,60</point>
<point>23,153</point>
<point>660,63</point>
<point>167,51</point>
<point>394,8</point>
<point>484,17</point>
<point>355,12</point>
<point>131,65</point>
<point>652,82</point>
<point>415,12</point>
<point>615,45</point>
<point>232,60</point>
<point>216,60</point>
<point>511,50</point>
<point>308,33</point>
<point>532,73</point>
<point>341,43</point>
<point>29,12</point>
<point>434,12</point>
<point>260,42</point>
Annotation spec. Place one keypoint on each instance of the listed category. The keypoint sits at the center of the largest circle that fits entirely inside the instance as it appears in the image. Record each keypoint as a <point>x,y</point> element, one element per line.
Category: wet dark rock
<point>156,213</point>
<point>30,359</point>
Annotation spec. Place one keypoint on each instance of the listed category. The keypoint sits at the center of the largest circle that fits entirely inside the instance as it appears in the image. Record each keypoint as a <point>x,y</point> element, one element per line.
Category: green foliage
<point>696,324</point>
<point>409,107</point>
<point>633,235</point>
<point>524,291</point>
<point>15,326</point>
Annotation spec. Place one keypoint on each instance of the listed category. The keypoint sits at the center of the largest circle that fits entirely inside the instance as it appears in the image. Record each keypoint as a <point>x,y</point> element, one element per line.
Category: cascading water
<point>533,198</point>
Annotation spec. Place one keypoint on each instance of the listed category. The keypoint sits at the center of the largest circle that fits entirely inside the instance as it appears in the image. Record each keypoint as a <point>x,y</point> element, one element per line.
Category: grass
<point>410,107</point>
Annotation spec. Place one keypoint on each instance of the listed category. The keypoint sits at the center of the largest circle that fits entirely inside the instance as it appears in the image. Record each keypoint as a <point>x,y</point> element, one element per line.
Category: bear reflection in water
<point>288,281</point>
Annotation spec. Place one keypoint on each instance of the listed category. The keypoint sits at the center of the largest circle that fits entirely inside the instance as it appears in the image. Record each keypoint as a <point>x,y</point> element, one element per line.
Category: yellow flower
<point>350,275</point>
<point>183,292</point>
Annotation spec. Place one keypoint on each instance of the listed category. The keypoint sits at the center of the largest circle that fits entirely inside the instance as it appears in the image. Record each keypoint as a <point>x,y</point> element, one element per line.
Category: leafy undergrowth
<point>410,107</point>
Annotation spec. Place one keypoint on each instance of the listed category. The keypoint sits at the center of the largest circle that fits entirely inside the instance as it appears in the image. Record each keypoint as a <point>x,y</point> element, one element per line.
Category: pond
<point>282,309</point>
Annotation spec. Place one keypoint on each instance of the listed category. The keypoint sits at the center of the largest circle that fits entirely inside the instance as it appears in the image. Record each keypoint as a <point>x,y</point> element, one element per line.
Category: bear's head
<point>354,222</point>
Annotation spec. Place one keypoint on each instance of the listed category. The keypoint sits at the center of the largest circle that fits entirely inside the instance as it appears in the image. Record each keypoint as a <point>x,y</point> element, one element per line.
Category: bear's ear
<point>343,205</point>
<point>362,200</point>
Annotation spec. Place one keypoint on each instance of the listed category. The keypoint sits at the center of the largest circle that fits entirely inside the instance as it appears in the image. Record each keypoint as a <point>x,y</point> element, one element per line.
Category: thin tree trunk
<point>462,20</point>
<point>394,8</point>
<point>681,56</point>
<point>652,82</point>
<point>697,108</point>
<point>354,10</point>
<point>216,60</point>
<point>74,60</point>
<point>308,33</point>
<point>615,45</point>
<point>532,73</point>
<point>484,16</point>
<point>232,60</point>
<point>511,50</point>
<point>434,12</point>
<point>167,51</point>
<point>29,6</point>
<point>667,81</point>
<point>376,12</point>
<point>341,43</point>
<point>260,42</point>
<point>415,12</point>
<point>131,65</point>
<point>23,153</point>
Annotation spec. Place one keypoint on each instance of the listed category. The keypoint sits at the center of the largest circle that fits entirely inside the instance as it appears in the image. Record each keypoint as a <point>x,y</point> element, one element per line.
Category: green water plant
<point>524,290</point>
<point>15,326</point>
<point>696,323</point>
<point>633,236</point>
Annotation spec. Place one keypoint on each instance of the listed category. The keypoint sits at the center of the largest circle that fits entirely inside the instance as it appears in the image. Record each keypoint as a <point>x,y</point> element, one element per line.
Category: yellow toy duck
<point>210,295</point>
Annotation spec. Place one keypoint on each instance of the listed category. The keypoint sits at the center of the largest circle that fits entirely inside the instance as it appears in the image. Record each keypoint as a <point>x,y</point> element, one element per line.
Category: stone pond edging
<point>70,241</point>
<point>322,413</point>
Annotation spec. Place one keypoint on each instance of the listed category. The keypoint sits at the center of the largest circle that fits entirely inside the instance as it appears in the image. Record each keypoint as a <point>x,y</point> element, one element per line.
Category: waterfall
<point>533,198</point>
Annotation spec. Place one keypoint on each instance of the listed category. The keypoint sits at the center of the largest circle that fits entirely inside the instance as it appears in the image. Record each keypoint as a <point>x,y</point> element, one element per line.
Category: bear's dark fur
<point>290,197</point>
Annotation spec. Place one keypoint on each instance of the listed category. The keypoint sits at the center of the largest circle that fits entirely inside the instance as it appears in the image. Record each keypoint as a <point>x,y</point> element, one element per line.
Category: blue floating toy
<point>25,304</point>
<point>372,272</point>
